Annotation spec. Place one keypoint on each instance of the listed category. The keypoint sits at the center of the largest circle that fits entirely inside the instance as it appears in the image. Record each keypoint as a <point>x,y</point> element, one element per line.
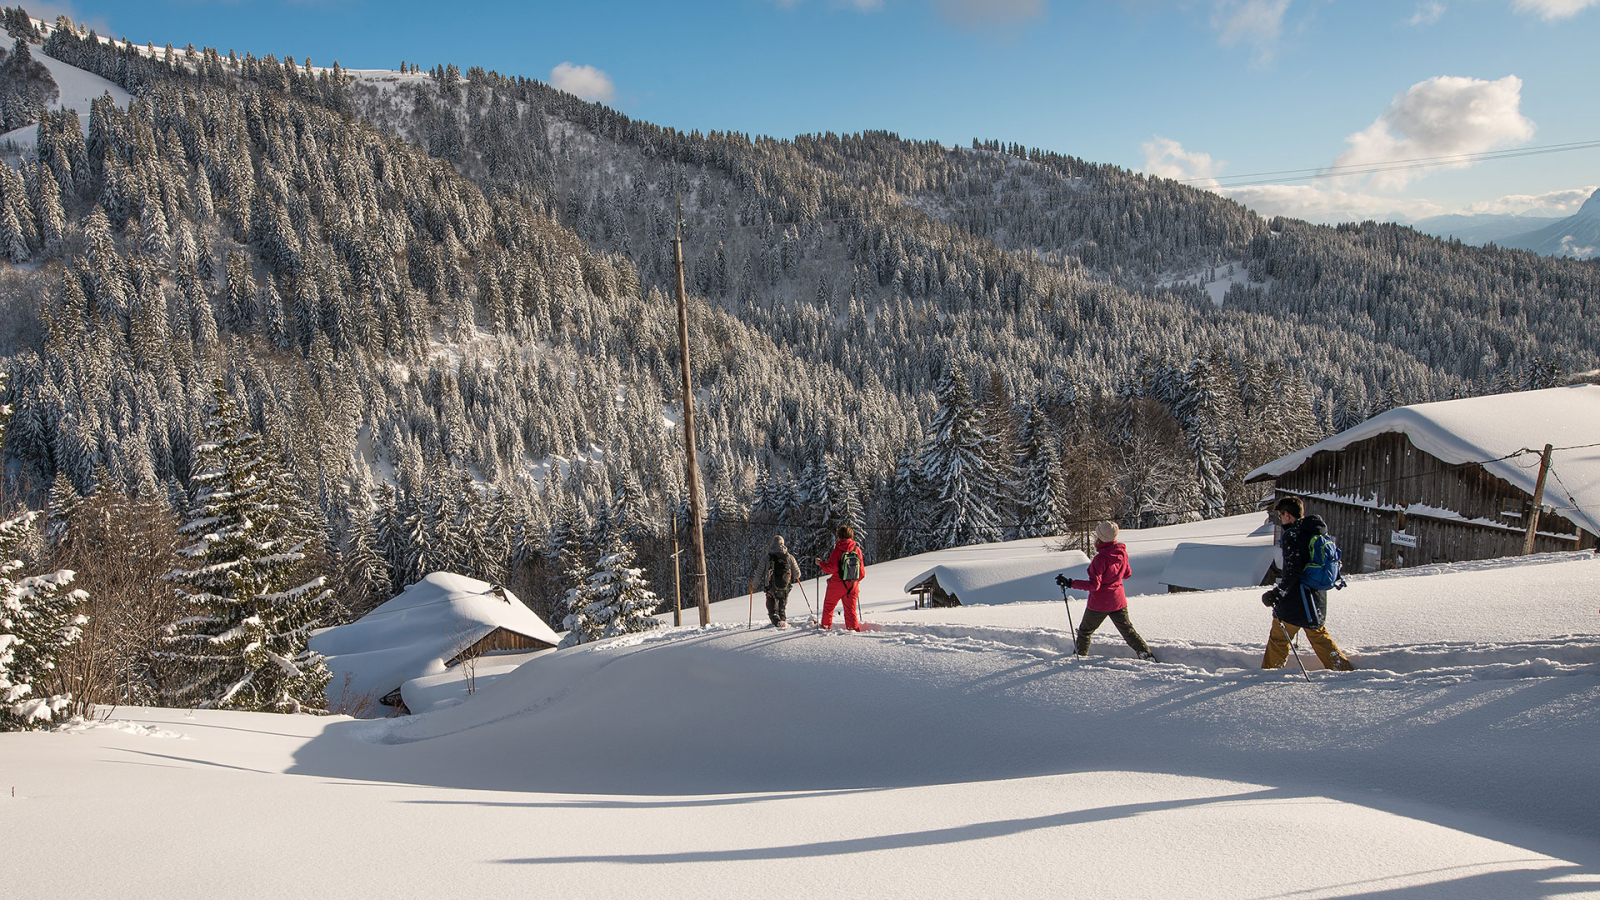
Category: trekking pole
<point>1070,623</point>
<point>807,599</point>
<point>1296,650</point>
<point>750,619</point>
<point>818,589</point>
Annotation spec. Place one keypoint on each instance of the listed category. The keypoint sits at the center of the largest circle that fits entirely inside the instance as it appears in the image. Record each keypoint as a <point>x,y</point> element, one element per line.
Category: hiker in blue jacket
<point>1295,606</point>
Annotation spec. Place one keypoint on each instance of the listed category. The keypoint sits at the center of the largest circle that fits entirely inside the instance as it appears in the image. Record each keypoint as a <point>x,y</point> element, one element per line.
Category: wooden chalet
<point>1454,480</point>
<point>500,639</point>
<point>430,627</point>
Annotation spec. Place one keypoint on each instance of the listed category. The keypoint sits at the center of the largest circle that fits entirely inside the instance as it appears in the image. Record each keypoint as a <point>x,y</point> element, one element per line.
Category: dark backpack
<point>1322,571</point>
<point>778,578</point>
<point>850,566</point>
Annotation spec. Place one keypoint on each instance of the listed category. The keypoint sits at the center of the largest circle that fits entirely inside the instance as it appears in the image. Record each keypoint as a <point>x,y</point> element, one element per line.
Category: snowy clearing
<point>78,89</point>
<point>956,753</point>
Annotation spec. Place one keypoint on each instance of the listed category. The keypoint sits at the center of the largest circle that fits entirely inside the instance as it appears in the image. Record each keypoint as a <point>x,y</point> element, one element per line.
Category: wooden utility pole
<point>691,465</point>
<point>677,577</point>
<point>1538,501</point>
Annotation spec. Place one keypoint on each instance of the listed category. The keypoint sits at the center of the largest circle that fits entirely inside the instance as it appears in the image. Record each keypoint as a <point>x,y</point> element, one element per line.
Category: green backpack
<point>850,566</point>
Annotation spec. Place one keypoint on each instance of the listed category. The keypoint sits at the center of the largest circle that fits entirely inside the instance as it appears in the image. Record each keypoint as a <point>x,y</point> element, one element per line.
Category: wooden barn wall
<point>1388,471</point>
<point>501,639</point>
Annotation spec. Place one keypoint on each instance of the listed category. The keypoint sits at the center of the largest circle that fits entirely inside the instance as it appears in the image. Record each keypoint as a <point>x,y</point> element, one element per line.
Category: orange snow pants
<point>1327,651</point>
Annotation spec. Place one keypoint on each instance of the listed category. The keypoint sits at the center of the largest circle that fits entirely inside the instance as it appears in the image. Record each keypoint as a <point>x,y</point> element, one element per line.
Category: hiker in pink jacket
<point>1106,599</point>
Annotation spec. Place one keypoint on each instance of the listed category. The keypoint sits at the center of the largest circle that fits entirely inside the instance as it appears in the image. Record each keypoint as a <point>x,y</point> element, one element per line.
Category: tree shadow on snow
<point>850,713</point>
<point>929,838</point>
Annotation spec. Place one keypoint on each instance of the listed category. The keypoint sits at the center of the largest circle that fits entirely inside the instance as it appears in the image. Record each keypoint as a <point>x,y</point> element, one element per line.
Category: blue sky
<point>1186,88</point>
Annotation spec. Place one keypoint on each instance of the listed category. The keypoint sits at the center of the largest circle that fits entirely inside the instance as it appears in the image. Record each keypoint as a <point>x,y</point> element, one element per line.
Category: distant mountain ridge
<point>1577,236</point>
<point>1484,228</point>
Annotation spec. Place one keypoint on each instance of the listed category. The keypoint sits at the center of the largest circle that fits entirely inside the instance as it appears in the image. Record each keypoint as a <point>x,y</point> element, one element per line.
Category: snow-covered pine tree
<point>252,606</point>
<point>64,501</point>
<point>366,568</point>
<point>964,488</point>
<point>38,618</point>
<point>1204,409</point>
<point>1042,494</point>
<point>906,515</point>
<point>614,600</point>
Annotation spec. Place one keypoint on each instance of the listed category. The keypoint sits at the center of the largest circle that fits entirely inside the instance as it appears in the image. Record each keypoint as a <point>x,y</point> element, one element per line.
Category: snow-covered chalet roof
<point>991,581</point>
<point>415,633</point>
<point>1483,429</point>
<point>1214,567</point>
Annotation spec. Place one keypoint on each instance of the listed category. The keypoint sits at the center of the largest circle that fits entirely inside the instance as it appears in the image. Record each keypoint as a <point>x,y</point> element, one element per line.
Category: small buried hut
<point>429,628</point>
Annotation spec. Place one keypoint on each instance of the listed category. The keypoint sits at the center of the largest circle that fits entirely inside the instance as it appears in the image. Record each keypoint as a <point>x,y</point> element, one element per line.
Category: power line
<point>1251,179</point>
<point>1395,165</point>
<point>1180,515</point>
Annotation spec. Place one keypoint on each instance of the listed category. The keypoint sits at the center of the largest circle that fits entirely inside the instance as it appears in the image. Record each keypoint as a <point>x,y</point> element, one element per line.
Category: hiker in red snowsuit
<point>838,588</point>
<point>1106,597</point>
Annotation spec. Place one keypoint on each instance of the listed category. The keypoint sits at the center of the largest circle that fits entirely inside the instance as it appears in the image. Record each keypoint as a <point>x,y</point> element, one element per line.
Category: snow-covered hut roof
<point>1484,429</point>
<point>1213,567</point>
<point>993,581</point>
<point>415,633</point>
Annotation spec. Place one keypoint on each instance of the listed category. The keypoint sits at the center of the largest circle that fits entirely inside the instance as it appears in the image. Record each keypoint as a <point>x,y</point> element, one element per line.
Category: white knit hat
<point>1106,533</point>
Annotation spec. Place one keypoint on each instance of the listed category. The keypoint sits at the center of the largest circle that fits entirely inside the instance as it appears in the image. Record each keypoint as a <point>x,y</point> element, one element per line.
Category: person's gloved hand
<point>1270,597</point>
<point>1064,581</point>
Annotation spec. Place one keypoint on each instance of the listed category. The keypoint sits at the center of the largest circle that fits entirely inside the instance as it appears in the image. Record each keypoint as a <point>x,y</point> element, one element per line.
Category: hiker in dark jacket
<point>777,571</point>
<point>1296,607</point>
<point>1106,597</point>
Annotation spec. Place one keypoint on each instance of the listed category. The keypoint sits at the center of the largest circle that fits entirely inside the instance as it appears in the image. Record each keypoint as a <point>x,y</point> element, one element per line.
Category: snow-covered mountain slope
<point>1577,236</point>
<point>78,89</point>
<point>956,753</point>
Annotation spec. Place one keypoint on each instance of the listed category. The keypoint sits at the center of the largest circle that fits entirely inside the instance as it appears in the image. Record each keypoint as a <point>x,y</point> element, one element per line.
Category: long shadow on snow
<point>930,838</point>
<point>800,713</point>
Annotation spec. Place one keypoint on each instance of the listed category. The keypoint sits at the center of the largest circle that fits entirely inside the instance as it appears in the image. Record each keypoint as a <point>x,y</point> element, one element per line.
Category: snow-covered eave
<point>1422,510</point>
<point>1424,426</point>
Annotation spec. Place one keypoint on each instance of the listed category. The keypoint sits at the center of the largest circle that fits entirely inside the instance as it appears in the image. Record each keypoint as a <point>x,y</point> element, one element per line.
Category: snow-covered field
<point>954,753</point>
<point>77,90</point>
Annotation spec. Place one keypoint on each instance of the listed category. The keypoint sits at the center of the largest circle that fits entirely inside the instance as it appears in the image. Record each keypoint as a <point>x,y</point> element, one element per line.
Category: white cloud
<point>1313,202</point>
<point>1443,116</point>
<point>1569,247</point>
<point>1327,202</point>
<point>972,13</point>
<point>1551,203</point>
<point>47,11</point>
<point>585,82</point>
<point>1254,23</point>
<point>1167,158</point>
<point>1322,203</point>
<point>1553,9</point>
<point>1427,13</point>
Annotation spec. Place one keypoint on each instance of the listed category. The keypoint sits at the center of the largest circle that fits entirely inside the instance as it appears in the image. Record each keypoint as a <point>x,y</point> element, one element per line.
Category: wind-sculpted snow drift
<point>1474,723</point>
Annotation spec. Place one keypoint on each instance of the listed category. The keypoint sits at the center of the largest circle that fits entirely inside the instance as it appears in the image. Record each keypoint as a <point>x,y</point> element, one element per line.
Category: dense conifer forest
<point>440,305</point>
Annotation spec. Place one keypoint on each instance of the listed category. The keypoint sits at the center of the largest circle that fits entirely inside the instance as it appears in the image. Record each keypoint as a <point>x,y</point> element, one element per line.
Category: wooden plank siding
<point>500,639</point>
<point>1364,490</point>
